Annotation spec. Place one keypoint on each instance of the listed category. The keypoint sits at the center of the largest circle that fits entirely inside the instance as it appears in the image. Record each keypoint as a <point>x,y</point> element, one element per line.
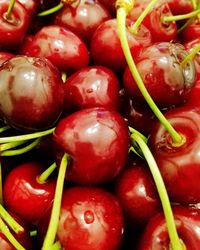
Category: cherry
<point>22,186</point>
<point>180,7</point>
<point>90,219</point>
<point>97,140</point>
<point>192,31</point>
<point>61,46</point>
<point>110,5</point>
<point>82,19</point>
<point>156,237</point>
<point>4,56</point>
<point>106,48</point>
<point>31,94</point>
<point>94,86</point>
<point>12,28</point>
<point>31,6</point>
<point>160,68</point>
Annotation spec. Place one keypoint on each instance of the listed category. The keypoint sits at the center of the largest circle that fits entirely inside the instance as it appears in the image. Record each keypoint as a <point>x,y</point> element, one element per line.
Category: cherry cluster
<point>100,124</point>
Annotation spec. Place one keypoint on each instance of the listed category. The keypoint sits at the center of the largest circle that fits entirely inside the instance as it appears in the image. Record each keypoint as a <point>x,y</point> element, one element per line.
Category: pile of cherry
<point>78,136</point>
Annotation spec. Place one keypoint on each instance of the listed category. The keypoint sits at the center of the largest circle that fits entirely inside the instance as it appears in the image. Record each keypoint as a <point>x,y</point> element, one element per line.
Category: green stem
<point>194,4</point>
<point>1,185</point>
<point>21,150</point>
<point>16,227</point>
<point>132,130</point>
<point>9,145</point>
<point>166,19</point>
<point>54,219</point>
<point>191,55</point>
<point>26,136</point>
<point>4,229</point>
<point>3,129</point>
<point>56,246</point>
<point>176,243</point>
<point>134,28</point>
<point>33,233</point>
<point>52,10</point>
<point>187,23</point>
<point>45,175</point>
<point>10,8</point>
<point>121,23</point>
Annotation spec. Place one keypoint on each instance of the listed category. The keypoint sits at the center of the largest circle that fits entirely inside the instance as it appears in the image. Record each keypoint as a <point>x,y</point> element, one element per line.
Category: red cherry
<point>58,44</point>
<point>31,94</point>
<point>82,19</point>
<point>110,5</point>
<point>192,31</point>
<point>94,86</point>
<point>90,219</point>
<point>25,195</point>
<point>31,6</point>
<point>180,7</point>
<point>97,141</point>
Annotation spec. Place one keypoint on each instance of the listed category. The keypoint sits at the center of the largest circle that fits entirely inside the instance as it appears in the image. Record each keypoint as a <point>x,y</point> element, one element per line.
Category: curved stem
<point>191,55</point>
<point>176,243</point>
<point>11,222</point>
<point>194,4</point>
<point>132,130</point>
<point>52,10</point>
<point>54,219</point>
<point>133,29</point>
<point>9,145</point>
<point>5,128</point>
<point>21,150</point>
<point>26,136</point>
<point>45,175</point>
<point>4,229</point>
<point>121,23</point>
<point>10,8</point>
<point>166,19</point>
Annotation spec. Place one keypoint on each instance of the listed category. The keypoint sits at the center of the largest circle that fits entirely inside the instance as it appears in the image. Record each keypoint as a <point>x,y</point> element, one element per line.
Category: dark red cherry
<point>192,31</point>
<point>110,5</point>
<point>31,6</point>
<point>13,29</point>
<point>179,164</point>
<point>94,86</point>
<point>137,194</point>
<point>160,68</point>
<point>106,47</point>
<point>82,19</point>
<point>180,7</point>
<point>61,46</point>
<point>90,219</point>
<point>31,93</point>
<point>155,235</point>
<point>25,195</point>
<point>97,140</point>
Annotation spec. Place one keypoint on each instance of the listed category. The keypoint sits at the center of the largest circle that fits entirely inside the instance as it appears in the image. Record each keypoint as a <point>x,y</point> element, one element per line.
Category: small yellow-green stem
<point>194,4</point>
<point>5,128</point>
<point>121,24</point>
<point>191,55</point>
<point>166,19</point>
<point>176,243</point>
<point>132,130</point>
<point>10,8</point>
<point>9,145</point>
<point>134,28</point>
<point>33,233</point>
<point>4,229</point>
<point>52,10</point>
<point>54,219</point>
<point>45,175</point>
<point>56,246</point>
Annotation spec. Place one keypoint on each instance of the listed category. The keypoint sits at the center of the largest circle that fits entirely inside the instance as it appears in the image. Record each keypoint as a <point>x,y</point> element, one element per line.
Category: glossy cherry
<point>82,19</point>
<point>97,141</point>
<point>160,68</point>
<point>31,93</point>
<point>106,48</point>
<point>61,46</point>
<point>93,86</point>
<point>90,219</point>
<point>25,195</point>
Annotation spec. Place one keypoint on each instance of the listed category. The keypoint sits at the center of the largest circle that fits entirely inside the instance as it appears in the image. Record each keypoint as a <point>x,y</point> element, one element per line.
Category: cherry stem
<point>1,185</point>
<point>134,28</point>
<point>3,129</point>
<point>45,175</point>
<point>176,243</point>
<point>33,233</point>
<point>56,246</point>
<point>10,9</point>
<point>132,130</point>
<point>12,223</point>
<point>191,55</point>
<point>26,136</point>
<point>9,145</point>
<point>166,19</point>
<point>194,4</point>
<point>55,213</point>
<point>52,10</point>
<point>188,22</point>
<point>121,23</point>
<point>4,229</point>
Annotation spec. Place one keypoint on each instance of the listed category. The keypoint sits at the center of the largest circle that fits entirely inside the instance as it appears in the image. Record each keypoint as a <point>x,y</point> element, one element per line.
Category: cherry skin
<point>179,164</point>
<point>61,46</point>
<point>161,71</point>
<point>25,195</point>
<point>110,5</point>
<point>90,219</point>
<point>106,48</point>
<point>93,86</point>
<point>97,140</point>
<point>180,7</point>
<point>82,19</point>
<point>31,94</point>
<point>13,29</point>
<point>4,56</point>
<point>137,194</point>
<point>155,235</point>
<point>192,31</point>
<point>31,6</point>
